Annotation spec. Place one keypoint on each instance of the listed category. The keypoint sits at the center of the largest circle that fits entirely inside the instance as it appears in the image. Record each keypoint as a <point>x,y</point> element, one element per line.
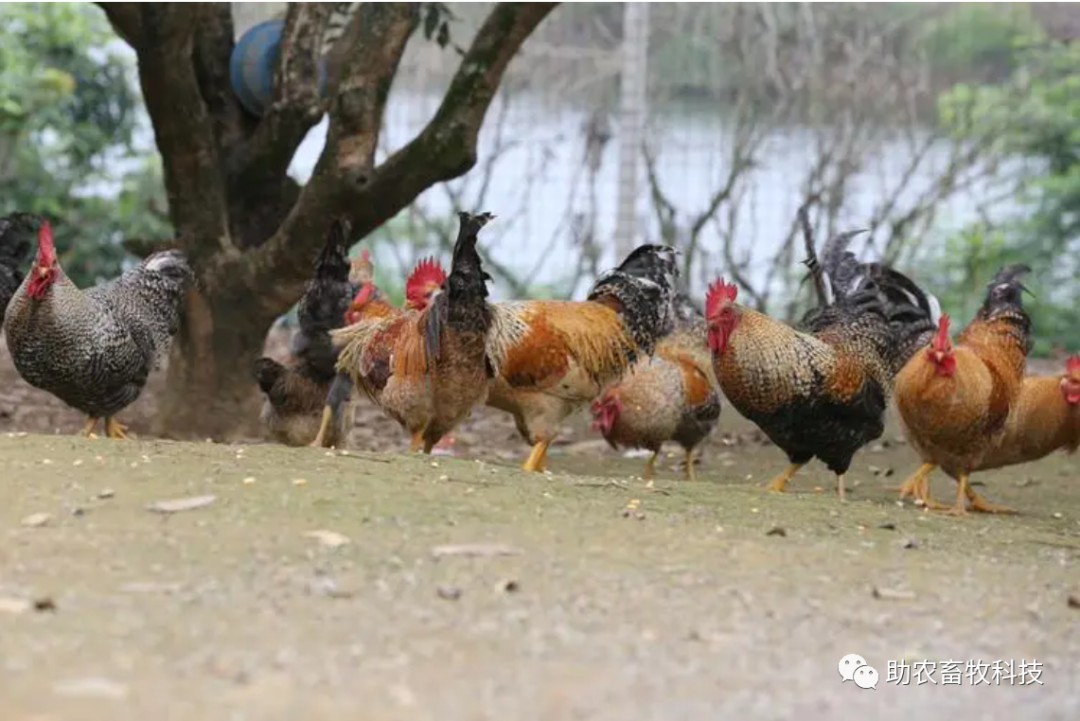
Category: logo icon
<point>854,668</point>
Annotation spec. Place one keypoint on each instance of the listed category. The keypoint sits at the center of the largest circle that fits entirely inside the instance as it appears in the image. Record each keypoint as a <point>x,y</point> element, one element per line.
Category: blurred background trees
<point>69,107</point>
<point>951,131</point>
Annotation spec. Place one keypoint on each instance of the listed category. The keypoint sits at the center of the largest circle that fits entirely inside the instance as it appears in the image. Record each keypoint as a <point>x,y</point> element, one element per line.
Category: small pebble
<point>510,586</point>
<point>448,593</point>
<point>887,526</point>
<point>106,493</point>
<point>776,531</point>
<point>1074,600</point>
<point>299,481</point>
<point>444,477</point>
<point>1057,515</point>
<point>36,520</point>
<point>909,543</point>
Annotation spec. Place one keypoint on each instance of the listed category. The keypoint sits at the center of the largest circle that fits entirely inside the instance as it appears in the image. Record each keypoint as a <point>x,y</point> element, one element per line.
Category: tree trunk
<point>250,232</point>
<point>209,387</point>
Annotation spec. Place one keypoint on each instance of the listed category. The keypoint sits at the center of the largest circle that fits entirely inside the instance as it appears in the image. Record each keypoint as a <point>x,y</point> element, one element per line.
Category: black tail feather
<point>323,305</point>
<point>462,304</point>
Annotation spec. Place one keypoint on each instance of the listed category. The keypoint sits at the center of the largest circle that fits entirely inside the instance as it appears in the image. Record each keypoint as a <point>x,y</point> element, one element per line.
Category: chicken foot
<point>981,505</point>
<point>778,483</point>
<point>690,475</point>
<point>115,430</point>
<point>840,489</point>
<point>417,442</point>
<point>324,428</point>
<point>650,466</point>
<point>918,486</point>
<point>537,457</point>
<point>88,429</point>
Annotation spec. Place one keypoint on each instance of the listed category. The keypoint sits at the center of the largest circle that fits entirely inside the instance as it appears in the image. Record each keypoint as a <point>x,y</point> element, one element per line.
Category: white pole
<point>633,105</point>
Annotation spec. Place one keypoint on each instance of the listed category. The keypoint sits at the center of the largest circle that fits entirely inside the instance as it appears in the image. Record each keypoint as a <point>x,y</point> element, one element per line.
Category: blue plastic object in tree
<point>251,66</point>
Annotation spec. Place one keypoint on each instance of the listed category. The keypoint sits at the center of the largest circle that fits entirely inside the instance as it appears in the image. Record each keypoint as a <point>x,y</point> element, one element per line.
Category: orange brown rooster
<point>954,400</point>
<point>426,368</point>
<point>671,395</point>
<point>551,358</point>
<point>820,390</point>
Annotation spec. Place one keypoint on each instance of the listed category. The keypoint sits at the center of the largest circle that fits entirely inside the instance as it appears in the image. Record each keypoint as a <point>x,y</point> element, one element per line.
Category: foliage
<point>67,123</point>
<point>1034,119</point>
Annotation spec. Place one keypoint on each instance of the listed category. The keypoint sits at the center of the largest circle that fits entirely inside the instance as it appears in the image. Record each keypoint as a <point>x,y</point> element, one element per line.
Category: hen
<point>551,358</point>
<point>820,390</point>
<point>1044,419</point>
<point>672,395</point>
<point>295,394</point>
<point>15,247</point>
<point>95,348</point>
<point>954,401</point>
<point>426,368</point>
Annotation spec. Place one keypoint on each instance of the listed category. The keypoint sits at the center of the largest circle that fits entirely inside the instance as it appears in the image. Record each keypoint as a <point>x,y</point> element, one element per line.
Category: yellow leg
<point>840,490</point>
<point>980,504</point>
<point>115,429</point>
<point>535,461</point>
<point>690,475</point>
<point>88,429</point>
<point>324,428</point>
<point>962,489</point>
<point>417,442</point>
<point>780,481</point>
<point>918,486</point>
<point>650,466</point>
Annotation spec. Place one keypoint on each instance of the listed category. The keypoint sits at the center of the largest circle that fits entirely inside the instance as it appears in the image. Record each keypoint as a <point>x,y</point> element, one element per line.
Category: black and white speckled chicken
<point>95,348</point>
<point>16,231</point>
<point>296,393</point>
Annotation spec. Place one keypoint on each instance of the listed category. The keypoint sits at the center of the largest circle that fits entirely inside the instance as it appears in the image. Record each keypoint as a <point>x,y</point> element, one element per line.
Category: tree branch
<point>446,148</point>
<point>126,20</point>
<point>296,104</point>
<point>183,127</point>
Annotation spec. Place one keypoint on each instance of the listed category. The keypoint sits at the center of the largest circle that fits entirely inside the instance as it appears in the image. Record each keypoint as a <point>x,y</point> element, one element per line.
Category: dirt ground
<point>617,601</point>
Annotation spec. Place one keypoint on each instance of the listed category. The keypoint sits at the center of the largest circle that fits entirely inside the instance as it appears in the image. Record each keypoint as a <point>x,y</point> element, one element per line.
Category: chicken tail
<point>643,288</point>
<point>462,304</point>
<point>16,246</point>
<point>324,303</point>
<point>1004,303</point>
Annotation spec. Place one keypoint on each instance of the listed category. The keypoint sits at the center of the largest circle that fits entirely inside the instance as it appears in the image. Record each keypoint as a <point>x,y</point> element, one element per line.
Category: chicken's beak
<point>939,356</point>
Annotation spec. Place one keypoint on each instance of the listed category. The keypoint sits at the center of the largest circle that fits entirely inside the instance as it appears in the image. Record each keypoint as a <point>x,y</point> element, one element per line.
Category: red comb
<point>941,339</point>
<point>719,294</point>
<point>1072,364</point>
<point>426,271</point>
<point>365,255</point>
<point>45,237</point>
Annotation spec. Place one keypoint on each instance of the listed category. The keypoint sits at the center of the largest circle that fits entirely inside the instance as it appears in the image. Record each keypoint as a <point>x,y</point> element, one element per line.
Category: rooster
<point>820,390</point>
<point>425,368</point>
<point>551,358</point>
<point>15,248</point>
<point>422,284</point>
<point>295,394</point>
<point>95,348</point>
<point>670,395</point>
<point>954,401</point>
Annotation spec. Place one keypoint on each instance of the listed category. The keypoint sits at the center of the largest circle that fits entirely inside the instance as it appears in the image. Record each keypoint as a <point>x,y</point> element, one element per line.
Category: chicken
<point>422,284</point>
<point>821,389</point>
<point>426,369</point>
<point>95,348</point>
<point>551,358</point>
<point>295,394</point>
<point>1044,418</point>
<point>15,247</point>
<point>672,395</point>
<point>954,401</point>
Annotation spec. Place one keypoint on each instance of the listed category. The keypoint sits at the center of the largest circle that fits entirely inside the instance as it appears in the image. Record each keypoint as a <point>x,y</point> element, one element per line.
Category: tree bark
<point>250,231</point>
